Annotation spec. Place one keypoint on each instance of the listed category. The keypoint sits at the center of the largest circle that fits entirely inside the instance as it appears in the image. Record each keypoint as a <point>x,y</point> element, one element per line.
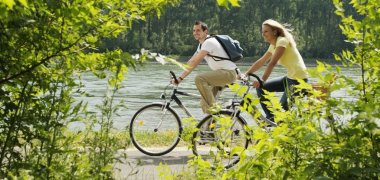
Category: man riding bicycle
<point>223,71</point>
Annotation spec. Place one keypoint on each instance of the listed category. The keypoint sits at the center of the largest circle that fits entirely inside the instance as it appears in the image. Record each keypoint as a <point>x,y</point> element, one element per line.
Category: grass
<point>123,139</point>
<point>155,139</point>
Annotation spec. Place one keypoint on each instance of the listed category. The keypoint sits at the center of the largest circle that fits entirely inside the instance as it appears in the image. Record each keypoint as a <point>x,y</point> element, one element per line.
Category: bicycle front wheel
<point>155,130</point>
<point>220,138</point>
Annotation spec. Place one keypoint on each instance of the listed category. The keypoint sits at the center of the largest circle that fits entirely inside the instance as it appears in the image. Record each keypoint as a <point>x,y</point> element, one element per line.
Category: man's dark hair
<point>203,25</point>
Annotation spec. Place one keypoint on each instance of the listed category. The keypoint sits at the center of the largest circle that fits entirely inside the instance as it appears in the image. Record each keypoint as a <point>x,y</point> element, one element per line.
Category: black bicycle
<point>220,138</point>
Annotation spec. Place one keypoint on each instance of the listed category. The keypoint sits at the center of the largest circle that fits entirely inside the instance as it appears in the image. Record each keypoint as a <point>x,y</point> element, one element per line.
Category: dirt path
<point>140,166</point>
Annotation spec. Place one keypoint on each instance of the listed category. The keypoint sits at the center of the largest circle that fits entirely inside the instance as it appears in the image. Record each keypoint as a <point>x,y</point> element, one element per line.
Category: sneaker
<point>269,122</point>
<point>207,134</point>
<point>231,104</point>
<point>271,118</point>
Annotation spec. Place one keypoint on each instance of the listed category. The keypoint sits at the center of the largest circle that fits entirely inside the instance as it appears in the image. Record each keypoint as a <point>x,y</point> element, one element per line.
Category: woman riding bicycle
<point>282,50</point>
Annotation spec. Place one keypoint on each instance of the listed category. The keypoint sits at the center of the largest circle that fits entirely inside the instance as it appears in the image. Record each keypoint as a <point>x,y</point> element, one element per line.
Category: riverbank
<point>246,61</point>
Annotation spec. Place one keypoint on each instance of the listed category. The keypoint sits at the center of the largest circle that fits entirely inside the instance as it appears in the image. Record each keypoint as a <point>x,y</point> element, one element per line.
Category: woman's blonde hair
<point>282,30</point>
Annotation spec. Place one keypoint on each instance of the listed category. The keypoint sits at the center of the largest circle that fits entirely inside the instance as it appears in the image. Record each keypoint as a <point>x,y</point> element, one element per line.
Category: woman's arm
<point>278,52</point>
<point>259,63</point>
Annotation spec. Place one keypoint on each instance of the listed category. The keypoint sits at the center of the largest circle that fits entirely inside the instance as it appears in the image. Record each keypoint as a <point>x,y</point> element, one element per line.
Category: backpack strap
<point>208,54</point>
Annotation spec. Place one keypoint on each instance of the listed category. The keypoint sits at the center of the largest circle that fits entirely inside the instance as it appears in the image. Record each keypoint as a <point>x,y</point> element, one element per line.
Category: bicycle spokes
<point>220,139</point>
<point>155,131</point>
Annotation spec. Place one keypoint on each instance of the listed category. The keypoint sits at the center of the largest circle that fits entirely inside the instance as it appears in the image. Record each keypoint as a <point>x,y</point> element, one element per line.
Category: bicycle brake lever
<point>163,96</point>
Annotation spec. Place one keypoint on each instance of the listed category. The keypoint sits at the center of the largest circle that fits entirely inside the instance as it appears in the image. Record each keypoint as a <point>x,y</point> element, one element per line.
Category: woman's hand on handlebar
<point>256,84</point>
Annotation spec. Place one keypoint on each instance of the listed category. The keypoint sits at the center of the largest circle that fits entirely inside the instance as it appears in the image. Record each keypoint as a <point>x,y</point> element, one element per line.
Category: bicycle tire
<point>155,141</point>
<point>216,142</point>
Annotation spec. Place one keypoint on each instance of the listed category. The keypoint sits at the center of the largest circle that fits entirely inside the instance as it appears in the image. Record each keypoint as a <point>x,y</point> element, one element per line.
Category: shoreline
<point>248,63</point>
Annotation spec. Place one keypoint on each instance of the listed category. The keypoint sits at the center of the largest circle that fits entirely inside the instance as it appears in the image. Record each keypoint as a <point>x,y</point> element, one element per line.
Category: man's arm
<point>193,63</point>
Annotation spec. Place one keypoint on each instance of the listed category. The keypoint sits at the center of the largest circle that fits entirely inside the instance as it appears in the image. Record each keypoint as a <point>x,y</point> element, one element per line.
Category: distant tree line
<point>314,24</point>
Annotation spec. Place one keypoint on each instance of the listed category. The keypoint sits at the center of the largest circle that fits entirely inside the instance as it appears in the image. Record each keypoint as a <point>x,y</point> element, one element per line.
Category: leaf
<point>226,3</point>
<point>237,150</point>
<point>235,3</point>
<point>320,67</point>
<point>24,3</point>
<point>160,59</point>
<point>9,3</point>
<point>242,90</point>
<point>234,87</point>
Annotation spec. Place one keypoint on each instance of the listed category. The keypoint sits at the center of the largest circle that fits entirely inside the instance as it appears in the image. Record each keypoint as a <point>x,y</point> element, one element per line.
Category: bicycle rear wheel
<point>220,139</point>
<point>155,130</point>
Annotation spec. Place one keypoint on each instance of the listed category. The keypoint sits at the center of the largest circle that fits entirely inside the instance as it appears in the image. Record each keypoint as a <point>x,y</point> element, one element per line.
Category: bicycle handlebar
<point>250,74</point>
<point>174,77</point>
<point>257,78</point>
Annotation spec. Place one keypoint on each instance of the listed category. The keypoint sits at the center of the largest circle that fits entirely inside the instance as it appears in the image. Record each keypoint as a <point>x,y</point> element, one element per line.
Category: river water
<point>145,85</point>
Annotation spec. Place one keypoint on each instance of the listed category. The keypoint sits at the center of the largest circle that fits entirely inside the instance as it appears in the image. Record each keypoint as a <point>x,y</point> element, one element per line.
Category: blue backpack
<point>231,46</point>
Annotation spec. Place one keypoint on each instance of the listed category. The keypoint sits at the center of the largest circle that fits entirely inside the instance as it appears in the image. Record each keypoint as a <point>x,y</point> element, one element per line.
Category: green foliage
<point>226,3</point>
<point>324,137</point>
<point>103,146</point>
<point>188,130</point>
<point>45,46</point>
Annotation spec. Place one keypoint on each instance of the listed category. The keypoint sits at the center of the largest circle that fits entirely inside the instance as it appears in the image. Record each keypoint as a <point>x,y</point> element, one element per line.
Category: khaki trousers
<point>209,83</point>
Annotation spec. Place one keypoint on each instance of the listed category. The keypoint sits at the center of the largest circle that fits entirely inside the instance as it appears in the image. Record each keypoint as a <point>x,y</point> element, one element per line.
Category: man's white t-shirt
<point>213,47</point>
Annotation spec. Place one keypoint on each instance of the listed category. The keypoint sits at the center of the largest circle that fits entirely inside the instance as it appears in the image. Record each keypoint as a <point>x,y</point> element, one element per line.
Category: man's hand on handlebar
<point>175,81</point>
<point>241,77</point>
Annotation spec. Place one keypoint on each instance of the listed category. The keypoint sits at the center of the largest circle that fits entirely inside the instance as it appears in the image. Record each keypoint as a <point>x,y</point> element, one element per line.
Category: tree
<point>314,23</point>
<point>45,45</point>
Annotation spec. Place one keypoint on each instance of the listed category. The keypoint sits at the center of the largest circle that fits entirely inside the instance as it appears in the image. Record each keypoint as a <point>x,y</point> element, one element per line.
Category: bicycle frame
<point>235,105</point>
<point>174,97</point>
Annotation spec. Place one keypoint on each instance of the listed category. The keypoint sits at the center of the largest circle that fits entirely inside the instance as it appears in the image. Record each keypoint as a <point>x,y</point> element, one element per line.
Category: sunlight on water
<point>146,85</point>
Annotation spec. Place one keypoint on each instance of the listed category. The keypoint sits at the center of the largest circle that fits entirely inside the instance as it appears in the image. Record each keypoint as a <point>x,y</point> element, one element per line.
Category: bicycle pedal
<point>207,134</point>
<point>236,132</point>
<point>205,141</point>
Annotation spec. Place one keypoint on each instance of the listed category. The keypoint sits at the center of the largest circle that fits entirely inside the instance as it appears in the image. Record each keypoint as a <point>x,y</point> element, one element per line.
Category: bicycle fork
<point>164,109</point>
